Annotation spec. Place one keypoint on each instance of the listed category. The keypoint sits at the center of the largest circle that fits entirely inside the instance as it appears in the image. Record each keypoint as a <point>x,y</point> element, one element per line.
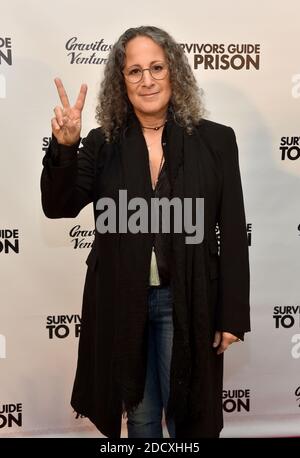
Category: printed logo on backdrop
<point>295,351</point>
<point>290,148</point>
<point>81,238</point>
<point>221,56</point>
<point>9,241</point>
<point>11,415</point>
<point>63,326</point>
<point>296,86</point>
<point>81,52</point>
<point>46,143</point>
<point>218,237</point>
<point>297,394</point>
<point>2,346</point>
<point>5,59</point>
<point>249,235</point>
<point>288,317</point>
<point>5,51</point>
<point>236,400</point>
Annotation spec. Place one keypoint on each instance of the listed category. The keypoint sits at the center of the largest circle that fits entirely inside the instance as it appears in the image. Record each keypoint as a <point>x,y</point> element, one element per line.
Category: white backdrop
<point>42,261</point>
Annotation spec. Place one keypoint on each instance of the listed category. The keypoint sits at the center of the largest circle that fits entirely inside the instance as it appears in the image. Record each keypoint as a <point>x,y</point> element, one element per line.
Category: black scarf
<point>188,277</point>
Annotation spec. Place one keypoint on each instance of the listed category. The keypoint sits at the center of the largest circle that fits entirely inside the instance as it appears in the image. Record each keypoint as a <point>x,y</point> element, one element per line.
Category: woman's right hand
<point>66,125</point>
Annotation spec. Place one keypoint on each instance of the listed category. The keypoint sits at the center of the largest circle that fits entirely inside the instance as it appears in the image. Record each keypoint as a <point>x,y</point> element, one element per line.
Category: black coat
<point>215,284</point>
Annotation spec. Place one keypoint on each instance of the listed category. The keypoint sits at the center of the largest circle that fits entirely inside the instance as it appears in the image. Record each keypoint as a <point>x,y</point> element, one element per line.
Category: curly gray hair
<point>113,103</point>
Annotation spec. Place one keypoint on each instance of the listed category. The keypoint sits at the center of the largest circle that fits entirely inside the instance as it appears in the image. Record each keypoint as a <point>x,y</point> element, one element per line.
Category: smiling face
<point>149,97</point>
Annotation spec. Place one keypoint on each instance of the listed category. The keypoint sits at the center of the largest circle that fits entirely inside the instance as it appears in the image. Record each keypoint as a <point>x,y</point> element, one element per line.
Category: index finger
<point>81,97</point>
<point>62,93</point>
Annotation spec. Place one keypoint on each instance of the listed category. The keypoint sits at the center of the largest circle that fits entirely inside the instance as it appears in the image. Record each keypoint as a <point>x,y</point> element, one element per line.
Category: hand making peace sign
<point>66,126</point>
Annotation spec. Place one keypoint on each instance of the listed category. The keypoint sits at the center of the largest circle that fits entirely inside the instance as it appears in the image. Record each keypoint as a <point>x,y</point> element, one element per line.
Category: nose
<point>147,79</point>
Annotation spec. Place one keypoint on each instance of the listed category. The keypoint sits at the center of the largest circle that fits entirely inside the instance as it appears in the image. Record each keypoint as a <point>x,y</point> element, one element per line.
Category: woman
<point>155,322</point>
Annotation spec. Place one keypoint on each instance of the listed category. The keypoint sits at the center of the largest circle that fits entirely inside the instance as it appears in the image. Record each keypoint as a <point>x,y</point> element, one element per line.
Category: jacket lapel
<point>135,161</point>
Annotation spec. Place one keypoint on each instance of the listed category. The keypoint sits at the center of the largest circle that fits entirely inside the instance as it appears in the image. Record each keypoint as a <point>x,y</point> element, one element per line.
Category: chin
<point>151,108</point>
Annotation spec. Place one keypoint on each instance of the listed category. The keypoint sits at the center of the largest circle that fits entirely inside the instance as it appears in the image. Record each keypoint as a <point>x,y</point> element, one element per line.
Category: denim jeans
<point>146,420</point>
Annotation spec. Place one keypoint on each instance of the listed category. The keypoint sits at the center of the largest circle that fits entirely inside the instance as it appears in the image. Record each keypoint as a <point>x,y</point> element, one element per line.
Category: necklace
<point>154,128</point>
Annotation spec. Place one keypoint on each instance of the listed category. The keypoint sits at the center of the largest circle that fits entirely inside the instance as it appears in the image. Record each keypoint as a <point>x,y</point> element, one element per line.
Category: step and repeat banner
<point>246,58</point>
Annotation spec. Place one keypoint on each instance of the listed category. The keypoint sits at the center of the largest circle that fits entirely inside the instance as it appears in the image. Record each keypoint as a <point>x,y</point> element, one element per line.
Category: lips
<point>149,95</point>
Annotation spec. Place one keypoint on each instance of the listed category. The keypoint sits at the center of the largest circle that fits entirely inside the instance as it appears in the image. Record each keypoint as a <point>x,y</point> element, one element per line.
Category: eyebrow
<point>151,63</point>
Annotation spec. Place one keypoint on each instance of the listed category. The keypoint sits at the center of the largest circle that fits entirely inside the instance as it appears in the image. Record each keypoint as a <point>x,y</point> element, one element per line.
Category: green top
<point>154,276</point>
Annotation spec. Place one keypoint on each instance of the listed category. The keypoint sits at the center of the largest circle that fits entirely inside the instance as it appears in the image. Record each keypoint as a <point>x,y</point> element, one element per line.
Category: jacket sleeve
<point>67,180</point>
<point>234,309</point>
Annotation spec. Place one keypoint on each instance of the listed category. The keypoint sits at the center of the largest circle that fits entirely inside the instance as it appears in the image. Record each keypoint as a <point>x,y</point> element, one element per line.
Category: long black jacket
<point>210,281</point>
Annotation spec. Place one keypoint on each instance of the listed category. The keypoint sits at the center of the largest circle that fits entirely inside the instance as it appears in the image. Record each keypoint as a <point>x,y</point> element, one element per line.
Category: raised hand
<point>66,125</point>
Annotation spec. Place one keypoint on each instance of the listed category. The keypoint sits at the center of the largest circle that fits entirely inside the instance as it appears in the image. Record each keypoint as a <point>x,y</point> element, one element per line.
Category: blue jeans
<point>146,420</point>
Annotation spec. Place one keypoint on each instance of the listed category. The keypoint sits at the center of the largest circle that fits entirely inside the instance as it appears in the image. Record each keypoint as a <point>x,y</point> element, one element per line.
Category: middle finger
<point>59,115</point>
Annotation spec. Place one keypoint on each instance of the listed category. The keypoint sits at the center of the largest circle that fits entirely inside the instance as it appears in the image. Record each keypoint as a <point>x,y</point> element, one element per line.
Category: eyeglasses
<point>158,71</point>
